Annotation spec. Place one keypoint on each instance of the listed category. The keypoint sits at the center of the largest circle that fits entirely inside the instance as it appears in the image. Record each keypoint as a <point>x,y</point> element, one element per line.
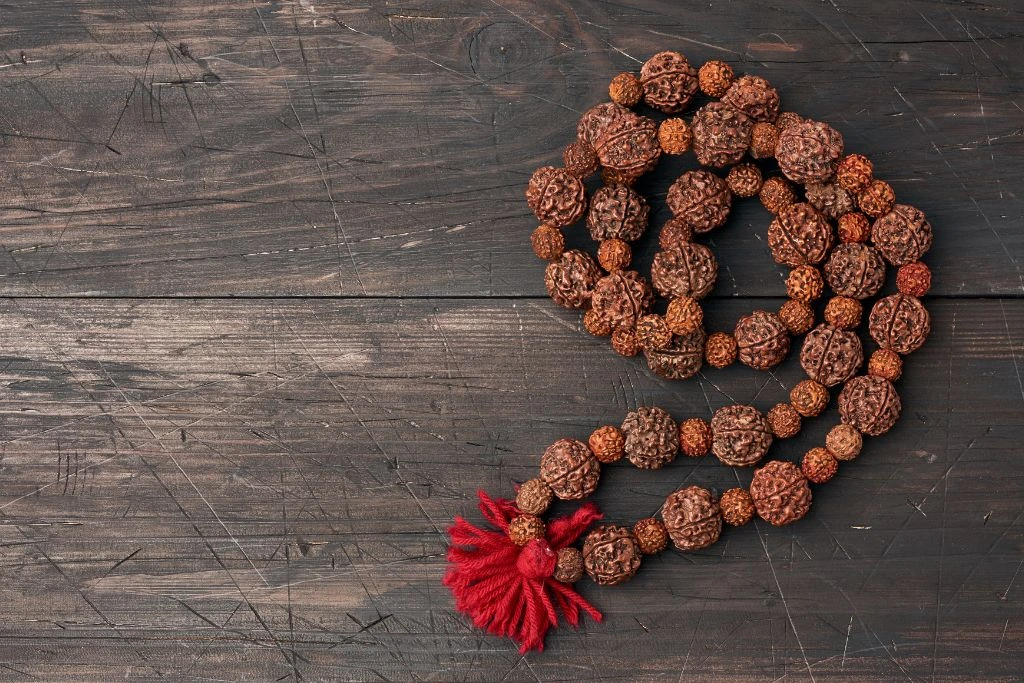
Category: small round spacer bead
<point>914,279</point>
<point>797,316</point>
<point>877,199</point>
<point>805,283</point>
<point>720,350</point>
<point>787,119</point>
<point>776,194</point>
<point>784,420</point>
<point>886,364</point>
<point>763,139</point>
<point>737,507</point>
<point>843,312</point>
<point>534,497</point>
<point>854,227</point>
<point>596,324</point>
<point>580,159</point>
<point>809,398</point>
<point>651,535</point>
<point>569,565</point>
<point>625,89</point>
<point>715,77</point>
<point>674,136</point>
<point>695,437</point>
<point>818,465</point>
<point>854,172</point>
<point>653,332</point>
<point>548,242</point>
<point>844,442</point>
<point>608,444</point>
<point>676,231</point>
<point>614,254</point>
<point>684,315</point>
<point>625,343</point>
<point>609,176</point>
<point>744,180</point>
<point>525,528</point>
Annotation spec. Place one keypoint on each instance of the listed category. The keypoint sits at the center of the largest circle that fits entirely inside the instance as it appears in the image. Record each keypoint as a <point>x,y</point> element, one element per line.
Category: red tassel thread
<point>507,589</point>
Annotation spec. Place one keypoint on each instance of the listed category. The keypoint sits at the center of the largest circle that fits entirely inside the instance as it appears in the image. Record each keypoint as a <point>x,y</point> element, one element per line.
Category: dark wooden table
<point>270,318</point>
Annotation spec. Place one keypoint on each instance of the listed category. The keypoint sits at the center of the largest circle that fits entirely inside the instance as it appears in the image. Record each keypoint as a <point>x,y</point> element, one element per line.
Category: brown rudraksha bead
<point>744,180</point>
<point>855,270</point>
<point>830,356</point>
<point>797,316</point>
<point>741,435</point>
<point>686,270</point>
<point>721,134</point>
<point>681,360</point>
<point>809,398</point>
<point>608,444</point>
<point>737,507</point>
<point>720,350</point>
<point>525,528</point>
<point>614,254</point>
<point>650,535</point>
<point>809,151</point>
<point>784,421</point>
<point>700,198</point>
<point>652,332</point>
<point>595,324</point>
<point>625,343</point>
<point>818,465</point>
<point>571,279</point>
<point>692,518</point>
<point>684,315</point>
<point>570,469</point>
<point>617,211</point>
<point>548,243</point>
<point>625,89</point>
<point>669,81</point>
<point>903,235</point>
<point>715,77</point>
<point>596,120</point>
<point>755,97</point>
<point>854,173</point>
<point>695,437</point>
<point>569,565</point>
<point>763,139</point>
<point>556,197</point>
<point>652,438</point>
<point>830,199</point>
<point>676,231</point>
<point>622,297</point>
<point>804,283</point>
<point>580,159</point>
<point>844,442</point>
<point>876,199</point>
<point>611,555</point>
<point>899,322</point>
<point>534,497</point>
<point>629,145</point>
<point>870,404</point>
<point>780,493</point>
<point>854,227</point>
<point>776,194</point>
<point>914,279</point>
<point>674,136</point>
<point>885,364</point>
<point>787,119</point>
<point>799,235</point>
<point>762,339</point>
<point>843,312</point>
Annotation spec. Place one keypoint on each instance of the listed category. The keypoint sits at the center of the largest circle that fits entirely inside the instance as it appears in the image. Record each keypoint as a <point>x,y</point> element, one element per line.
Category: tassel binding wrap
<point>510,590</point>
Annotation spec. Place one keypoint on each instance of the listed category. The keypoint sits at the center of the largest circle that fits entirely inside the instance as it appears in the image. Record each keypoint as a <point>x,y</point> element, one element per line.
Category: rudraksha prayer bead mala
<point>834,225</point>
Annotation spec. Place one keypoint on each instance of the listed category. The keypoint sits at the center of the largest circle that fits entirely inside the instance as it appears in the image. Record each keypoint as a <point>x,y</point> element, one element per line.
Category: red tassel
<point>509,590</point>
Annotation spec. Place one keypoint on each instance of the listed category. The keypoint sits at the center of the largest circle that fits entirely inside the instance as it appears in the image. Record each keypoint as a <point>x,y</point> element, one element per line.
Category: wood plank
<point>227,489</point>
<point>190,148</point>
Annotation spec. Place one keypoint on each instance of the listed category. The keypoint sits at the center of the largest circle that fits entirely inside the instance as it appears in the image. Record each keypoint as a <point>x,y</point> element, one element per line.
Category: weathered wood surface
<point>198,488</point>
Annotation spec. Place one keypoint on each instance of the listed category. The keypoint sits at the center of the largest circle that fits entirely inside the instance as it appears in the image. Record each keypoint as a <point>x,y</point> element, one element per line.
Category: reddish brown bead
<point>625,343</point>
<point>843,312</point>
<point>854,227</point>
<point>580,159</point>
<point>737,507</point>
<point>799,235</point>
<point>611,555</point>
<point>744,180</point>
<point>809,151</point>
<point>763,139</point>
<point>776,194</point>
<point>720,350</point>
<point>700,198</point>
<point>652,332</point>
<point>714,78</point>
<point>675,232</point>
<point>669,81</point>
<point>899,322</point>
<point>674,136</point>
<point>629,145</point>
<point>830,199</point>
<point>681,360</point>
<point>556,197</point>
<point>885,364</point>
<point>818,465</point>
<point>548,243</point>
<point>651,535</point>
<point>617,211</point>
<point>805,284</point>
<point>762,339</point>
<point>695,437</point>
<point>609,176</point>
<point>809,398</point>
<point>741,435</point>
<point>570,469</point>
<point>876,199</point>
<point>684,315</point>
<point>787,119</point>
<point>870,404</point>
<point>903,235</point>
<point>608,444</point>
<point>692,518</point>
<point>914,279</point>
<point>571,279</point>
<point>525,528</point>
<point>844,442</point>
<point>780,493</point>
<point>534,497</point>
<point>854,173</point>
<point>686,270</point>
<point>755,97</point>
<point>595,324</point>
<point>625,89</point>
<point>614,254</point>
<point>598,119</point>
<point>784,421</point>
<point>721,134</point>
<point>855,270</point>
<point>569,565</point>
<point>652,438</point>
<point>830,355</point>
<point>797,316</point>
<point>622,297</point>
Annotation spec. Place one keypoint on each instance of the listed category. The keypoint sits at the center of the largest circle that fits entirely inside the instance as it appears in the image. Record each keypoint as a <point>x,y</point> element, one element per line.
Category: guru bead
<point>844,442</point>
<point>818,465</point>
<point>799,235</point>
<point>674,136</point>
<point>809,151</point>
<point>855,270</point>
<point>548,243</point>
<point>652,439</point>
<point>607,443</point>
<point>571,279</point>
<point>741,434</point>
<point>669,81</point>
<point>870,404</point>
<point>692,518</point>
<point>681,359</point>
<point>695,437</point>
<point>686,270</point>
<point>650,535</point>
<point>899,322</point>
<point>714,78</point>
<point>902,235</point>
<point>625,89</point>
<point>831,355</point>
<point>617,211</point>
<point>611,555</point>
<point>534,497</point>
<point>780,493</point>
<point>556,197</point>
<point>762,340</point>
<point>700,198</point>
<point>570,469</point>
<point>622,297</point>
<point>737,507</point>
<point>525,528</point>
<point>721,134</point>
<point>569,565</point>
